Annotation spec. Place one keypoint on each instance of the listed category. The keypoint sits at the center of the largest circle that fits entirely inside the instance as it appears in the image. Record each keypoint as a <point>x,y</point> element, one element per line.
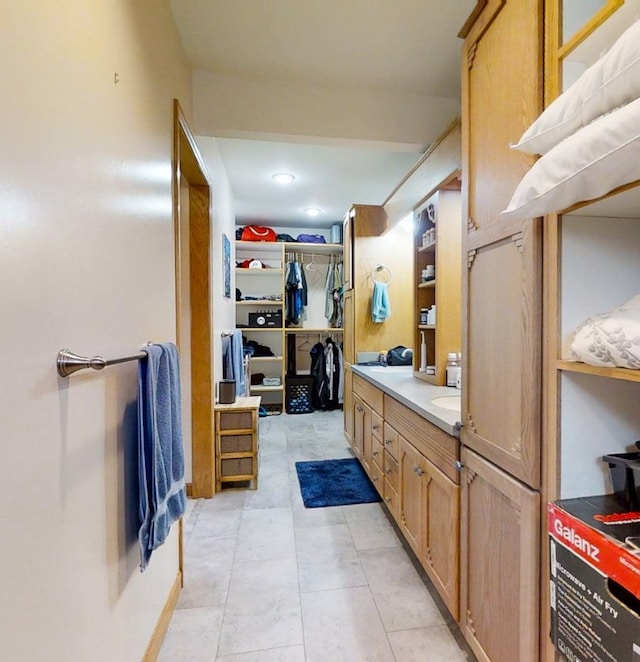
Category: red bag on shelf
<point>258,233</point>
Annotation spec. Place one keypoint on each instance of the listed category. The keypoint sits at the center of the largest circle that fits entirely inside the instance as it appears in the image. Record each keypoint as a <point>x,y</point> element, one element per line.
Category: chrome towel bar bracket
<point>68,362</point>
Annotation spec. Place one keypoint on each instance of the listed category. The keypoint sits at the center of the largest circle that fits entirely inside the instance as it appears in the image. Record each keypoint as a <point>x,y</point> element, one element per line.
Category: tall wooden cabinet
<point>502,296</point>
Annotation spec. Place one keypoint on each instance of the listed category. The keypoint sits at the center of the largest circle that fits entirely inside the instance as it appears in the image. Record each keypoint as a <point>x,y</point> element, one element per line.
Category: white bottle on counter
<point>452,369</point>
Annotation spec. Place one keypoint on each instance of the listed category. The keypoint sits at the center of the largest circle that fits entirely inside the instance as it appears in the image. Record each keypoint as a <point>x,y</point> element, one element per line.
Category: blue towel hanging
<point>162,497</point>
<point>380,305</point>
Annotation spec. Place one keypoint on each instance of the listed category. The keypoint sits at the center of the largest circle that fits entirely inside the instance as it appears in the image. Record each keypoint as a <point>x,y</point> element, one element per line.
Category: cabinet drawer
<point>369,393</point>
<point>377,477</point>
<point>235,443</point>
<point>237,420</point>
<point>391,499</point>
<point>391,470</point>
<point>377,453</point>
<point>238,468</point>
<point>435,444</point>
<point>376,426</point>
<point>391,441</point>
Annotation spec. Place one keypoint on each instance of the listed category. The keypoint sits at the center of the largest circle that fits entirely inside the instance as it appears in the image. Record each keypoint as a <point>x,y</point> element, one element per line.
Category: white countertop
<point>399,383</point>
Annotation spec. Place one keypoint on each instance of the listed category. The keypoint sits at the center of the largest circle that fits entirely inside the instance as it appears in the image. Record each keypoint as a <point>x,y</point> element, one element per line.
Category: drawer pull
<point>388,471</point>
<point>375,453</point>
<point>376,426</point>
<point>420,471</point>
<point>388,442</point>
<point>375,479</point>
<point>388,500</point>
<point>359,408</point>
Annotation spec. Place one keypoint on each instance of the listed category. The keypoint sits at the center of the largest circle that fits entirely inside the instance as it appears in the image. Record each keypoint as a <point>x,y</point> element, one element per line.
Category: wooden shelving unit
<point>237,442</point>
<point>269,282</point>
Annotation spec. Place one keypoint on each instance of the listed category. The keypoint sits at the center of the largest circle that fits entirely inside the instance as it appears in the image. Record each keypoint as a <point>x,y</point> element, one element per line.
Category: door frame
<point>187,163</point>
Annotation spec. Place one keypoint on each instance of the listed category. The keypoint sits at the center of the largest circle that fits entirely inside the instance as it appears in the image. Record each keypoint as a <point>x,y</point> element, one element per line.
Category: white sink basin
<point>450,402</point>
<point>391,369</point>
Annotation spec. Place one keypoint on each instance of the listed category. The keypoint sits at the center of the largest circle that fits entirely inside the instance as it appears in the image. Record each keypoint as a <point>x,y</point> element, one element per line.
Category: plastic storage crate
<point>625,476</point>
<point>298,395</point>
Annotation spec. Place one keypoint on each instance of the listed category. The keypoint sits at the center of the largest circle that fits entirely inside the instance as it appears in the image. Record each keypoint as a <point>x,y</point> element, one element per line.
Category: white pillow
<point>588,164</point>
<point>610,82</point>
<point>611,339</point>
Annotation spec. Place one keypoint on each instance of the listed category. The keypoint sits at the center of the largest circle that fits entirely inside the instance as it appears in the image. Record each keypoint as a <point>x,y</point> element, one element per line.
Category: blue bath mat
<point>334,483</point>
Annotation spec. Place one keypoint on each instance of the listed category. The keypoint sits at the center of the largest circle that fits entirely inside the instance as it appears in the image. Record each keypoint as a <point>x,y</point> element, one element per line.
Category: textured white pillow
<point>611,339</point>
<point>593,161</point>
<point>610,82</point>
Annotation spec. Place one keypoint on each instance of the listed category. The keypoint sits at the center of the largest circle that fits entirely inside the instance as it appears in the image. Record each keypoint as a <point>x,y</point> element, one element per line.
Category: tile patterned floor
<point>267,580</point>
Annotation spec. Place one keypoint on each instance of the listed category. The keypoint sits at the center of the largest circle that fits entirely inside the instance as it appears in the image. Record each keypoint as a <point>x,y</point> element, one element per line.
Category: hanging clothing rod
<point>69,362</point>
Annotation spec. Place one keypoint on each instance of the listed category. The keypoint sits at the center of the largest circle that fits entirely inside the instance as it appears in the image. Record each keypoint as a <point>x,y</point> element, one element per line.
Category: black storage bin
<point>625,476</point>
<point>298,395</point>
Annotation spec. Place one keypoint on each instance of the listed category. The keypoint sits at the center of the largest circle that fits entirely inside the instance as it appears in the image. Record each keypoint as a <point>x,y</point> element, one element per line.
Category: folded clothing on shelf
<point>271,381</point>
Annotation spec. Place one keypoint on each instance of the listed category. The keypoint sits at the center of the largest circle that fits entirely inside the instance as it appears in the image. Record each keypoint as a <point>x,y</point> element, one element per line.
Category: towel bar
<point>68,362</point>
<point>378,268</point>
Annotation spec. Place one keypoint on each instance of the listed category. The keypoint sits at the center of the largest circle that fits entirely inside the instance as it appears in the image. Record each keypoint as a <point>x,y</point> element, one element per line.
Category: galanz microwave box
<point>594,555</point>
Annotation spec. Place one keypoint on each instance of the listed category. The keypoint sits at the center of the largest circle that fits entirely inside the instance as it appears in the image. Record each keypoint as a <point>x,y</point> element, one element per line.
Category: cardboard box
<point>594,579</point>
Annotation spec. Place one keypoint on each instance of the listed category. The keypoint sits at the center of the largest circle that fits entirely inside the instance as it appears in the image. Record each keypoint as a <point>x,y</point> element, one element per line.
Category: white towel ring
<point>378,270</point>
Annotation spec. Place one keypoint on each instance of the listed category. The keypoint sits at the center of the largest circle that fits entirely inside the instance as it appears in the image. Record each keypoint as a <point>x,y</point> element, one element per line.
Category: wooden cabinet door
<point>499,573</point>
<point>442,541</point>
<point>366,438</point>
<point>412,507</point>
<point>502,289</point>
<point>358,426</point>
<point>347,247</point>
<point>348,334</point>
<point>347,406</point>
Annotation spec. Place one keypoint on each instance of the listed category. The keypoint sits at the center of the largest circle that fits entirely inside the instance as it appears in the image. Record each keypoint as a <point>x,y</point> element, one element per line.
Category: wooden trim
<point>483,18</point>
<point>473,17</point>
<point>550,447</point>
<point>187,163</point>
<point>586,203</point>
<point>155,643</point>
<point>625,374</point>
<point>434,145</point>
<point>553,38</point>
<point>589,27</point>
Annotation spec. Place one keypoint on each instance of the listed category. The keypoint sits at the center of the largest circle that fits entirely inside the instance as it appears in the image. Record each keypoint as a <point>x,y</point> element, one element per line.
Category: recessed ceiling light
<point>283,177</point>
<point>312,211</point>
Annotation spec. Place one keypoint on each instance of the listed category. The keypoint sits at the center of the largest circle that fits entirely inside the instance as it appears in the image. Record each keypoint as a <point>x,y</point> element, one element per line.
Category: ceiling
<point>392,47</point>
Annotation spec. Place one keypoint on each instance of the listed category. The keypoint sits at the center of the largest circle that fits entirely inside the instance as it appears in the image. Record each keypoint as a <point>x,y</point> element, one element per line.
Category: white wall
<point>224,310</point>
<point>86,262</point>
<point>230,106</point>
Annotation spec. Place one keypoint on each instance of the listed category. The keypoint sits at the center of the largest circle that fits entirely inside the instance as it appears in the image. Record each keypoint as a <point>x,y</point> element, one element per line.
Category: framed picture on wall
<point>226,265</point>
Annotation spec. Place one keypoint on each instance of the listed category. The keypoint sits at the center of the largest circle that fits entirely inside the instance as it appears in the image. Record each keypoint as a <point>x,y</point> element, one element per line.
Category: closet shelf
<point>260,302</point>
<point>251,329</point>
<point>429,283</point>
<point>317,249</point>
<point>296,329</point>
<point>265,359</point>
<point>258,388</point>
<point>625,374</point>
<point>426,327</point>
<point>427,249</point>
<point>289,247</point>
<point>259,272</point>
